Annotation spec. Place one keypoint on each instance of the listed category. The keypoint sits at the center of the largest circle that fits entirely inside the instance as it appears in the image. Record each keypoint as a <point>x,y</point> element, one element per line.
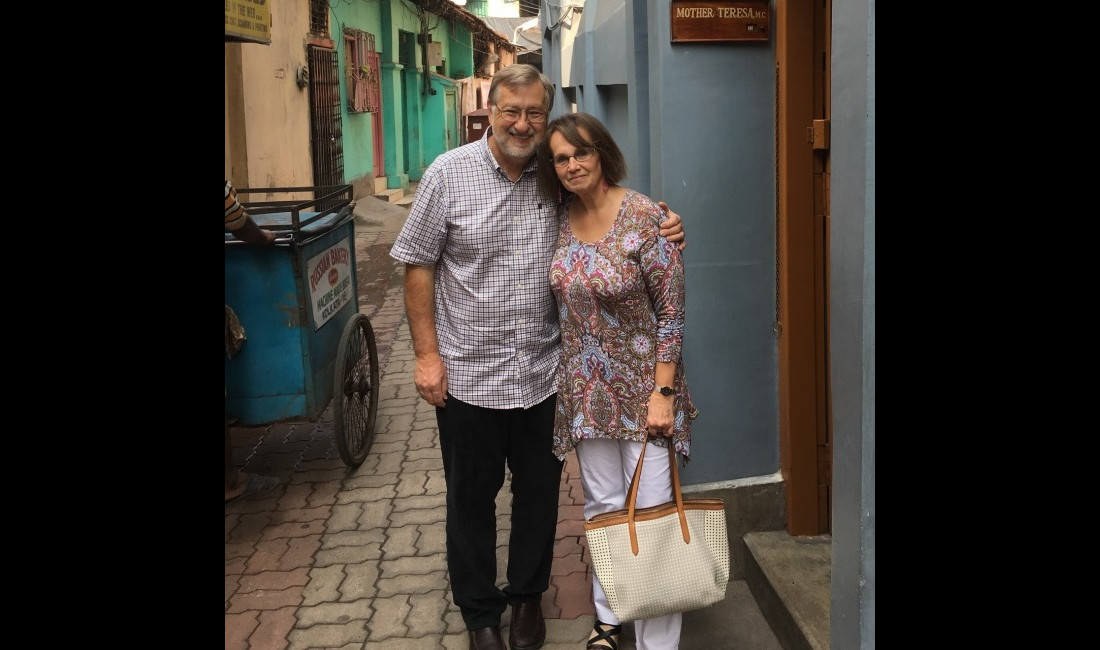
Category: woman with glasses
<point>620,289</point>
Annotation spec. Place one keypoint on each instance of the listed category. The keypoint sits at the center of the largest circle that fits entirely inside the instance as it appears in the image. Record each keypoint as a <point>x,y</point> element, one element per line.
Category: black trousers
<point>478,443</point>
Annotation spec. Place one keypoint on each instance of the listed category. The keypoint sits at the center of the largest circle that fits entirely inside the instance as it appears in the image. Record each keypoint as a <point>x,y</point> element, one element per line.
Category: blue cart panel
<point>293,300</point>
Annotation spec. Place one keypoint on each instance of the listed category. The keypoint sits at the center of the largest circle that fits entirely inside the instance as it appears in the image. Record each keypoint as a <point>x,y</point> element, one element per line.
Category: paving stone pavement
<point>354,558</point>
<point>339,557</point>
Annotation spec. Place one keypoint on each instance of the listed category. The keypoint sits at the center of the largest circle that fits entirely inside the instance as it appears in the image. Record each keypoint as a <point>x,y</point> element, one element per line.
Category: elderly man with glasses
<point>477,246</point>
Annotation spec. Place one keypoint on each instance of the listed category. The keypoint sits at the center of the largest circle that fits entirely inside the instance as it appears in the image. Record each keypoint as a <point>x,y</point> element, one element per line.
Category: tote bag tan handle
<point>632,500</point>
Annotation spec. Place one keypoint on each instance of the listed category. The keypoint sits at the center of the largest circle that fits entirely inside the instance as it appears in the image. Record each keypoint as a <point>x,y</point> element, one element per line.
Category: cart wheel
<point>355,399</point>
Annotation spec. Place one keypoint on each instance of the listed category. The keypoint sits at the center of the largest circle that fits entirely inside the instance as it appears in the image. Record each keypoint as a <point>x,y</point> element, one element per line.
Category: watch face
<point>666,391</point>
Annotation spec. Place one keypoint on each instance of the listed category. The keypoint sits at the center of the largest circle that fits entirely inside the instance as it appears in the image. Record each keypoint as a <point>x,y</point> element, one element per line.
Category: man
<point>477,246</point>
<point>240,485</point>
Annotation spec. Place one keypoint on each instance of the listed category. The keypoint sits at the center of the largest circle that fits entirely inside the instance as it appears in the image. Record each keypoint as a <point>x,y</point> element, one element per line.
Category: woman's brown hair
<point>599,140</point>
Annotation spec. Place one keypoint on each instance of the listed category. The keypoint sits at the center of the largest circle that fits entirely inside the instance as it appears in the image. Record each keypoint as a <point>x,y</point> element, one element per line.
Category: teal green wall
<point>357,128</point>
<point>393,125</point>
<point>414,123</point>
<point>460,64</point>
<point>434,140</point>
<point>478,7</point>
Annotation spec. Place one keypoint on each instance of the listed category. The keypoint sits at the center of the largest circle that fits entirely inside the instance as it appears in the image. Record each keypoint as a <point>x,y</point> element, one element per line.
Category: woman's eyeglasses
<point>580,155</point>
<point>534,115</point>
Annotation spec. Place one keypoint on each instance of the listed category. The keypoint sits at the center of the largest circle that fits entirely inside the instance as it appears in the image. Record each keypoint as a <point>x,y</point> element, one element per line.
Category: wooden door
<point>377,133</point>
<point>803,60</point>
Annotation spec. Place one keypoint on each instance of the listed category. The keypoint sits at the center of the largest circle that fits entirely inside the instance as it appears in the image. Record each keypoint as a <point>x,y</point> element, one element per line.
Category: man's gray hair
<point>519,75</point>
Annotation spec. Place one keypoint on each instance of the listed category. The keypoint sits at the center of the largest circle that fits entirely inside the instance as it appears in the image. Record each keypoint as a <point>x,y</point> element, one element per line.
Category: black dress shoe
<point>528,630</point>
<point>487,638</point>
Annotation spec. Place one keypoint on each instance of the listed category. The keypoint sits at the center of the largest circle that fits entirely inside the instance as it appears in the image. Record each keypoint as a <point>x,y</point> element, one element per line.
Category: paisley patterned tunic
<point>621,308</point>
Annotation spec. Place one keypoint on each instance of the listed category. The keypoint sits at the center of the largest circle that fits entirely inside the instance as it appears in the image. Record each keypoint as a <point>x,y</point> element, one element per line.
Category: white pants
<point>606,469</point>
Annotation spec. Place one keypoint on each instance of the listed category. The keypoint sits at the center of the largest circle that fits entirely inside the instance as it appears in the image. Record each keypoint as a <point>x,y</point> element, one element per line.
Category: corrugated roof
<point>523,32</point>
<point>449,10</point>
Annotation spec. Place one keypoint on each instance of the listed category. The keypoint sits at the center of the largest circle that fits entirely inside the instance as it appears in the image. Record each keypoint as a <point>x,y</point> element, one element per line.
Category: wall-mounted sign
<point>701,21</point>
<point>247,21</point>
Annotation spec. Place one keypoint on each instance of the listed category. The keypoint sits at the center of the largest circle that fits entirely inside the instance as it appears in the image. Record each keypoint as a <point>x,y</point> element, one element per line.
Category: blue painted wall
<point>852,323</point>
<point>696,122</point>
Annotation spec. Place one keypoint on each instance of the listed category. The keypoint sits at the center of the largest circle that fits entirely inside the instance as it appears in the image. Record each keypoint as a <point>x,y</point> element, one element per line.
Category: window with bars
<point>318,17</point>
<point>361,71</point>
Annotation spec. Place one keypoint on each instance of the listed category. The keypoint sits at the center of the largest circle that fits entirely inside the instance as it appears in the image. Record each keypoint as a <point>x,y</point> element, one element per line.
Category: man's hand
<point>672,228</point>
<point>430,377</point>
<point>429,374</point>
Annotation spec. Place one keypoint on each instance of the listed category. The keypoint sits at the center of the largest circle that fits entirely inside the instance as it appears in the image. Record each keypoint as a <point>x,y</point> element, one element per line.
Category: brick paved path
<point>354,558</point>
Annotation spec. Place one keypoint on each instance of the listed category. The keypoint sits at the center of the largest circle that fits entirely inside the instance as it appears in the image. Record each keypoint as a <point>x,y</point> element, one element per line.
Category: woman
<point>620,292</point>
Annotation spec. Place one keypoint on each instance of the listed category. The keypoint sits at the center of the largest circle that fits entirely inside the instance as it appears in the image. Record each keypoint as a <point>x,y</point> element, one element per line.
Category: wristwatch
<point>666,391</point>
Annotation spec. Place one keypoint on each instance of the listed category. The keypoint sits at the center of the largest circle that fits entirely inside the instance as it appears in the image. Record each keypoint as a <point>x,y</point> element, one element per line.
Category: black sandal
<point>605,634</point>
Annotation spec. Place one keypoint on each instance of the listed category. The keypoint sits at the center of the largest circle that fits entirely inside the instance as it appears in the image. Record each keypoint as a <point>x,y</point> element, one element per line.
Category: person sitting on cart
<point>239,484</point>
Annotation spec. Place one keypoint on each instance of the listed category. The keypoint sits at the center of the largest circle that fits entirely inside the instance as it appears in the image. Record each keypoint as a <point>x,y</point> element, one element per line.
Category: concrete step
<point>736,622</point>
<point>790,579</point>
<point>410,195</point>
<point>390,195</point>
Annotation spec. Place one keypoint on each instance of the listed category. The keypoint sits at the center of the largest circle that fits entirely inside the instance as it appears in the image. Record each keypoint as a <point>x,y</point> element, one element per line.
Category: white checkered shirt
<point>491,241</point>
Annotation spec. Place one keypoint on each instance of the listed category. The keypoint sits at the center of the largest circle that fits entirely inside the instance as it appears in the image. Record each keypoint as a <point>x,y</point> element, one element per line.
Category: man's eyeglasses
<point>580,155</point>
<point>534,115</point>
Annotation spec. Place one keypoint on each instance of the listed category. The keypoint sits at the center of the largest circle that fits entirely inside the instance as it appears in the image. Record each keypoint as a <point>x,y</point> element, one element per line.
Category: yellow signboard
<point>247,21</point>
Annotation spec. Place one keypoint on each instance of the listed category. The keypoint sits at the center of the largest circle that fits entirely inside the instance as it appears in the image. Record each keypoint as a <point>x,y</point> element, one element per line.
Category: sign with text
<point>329,279</point>
<point>247,21</point>
<point>701,22</point>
